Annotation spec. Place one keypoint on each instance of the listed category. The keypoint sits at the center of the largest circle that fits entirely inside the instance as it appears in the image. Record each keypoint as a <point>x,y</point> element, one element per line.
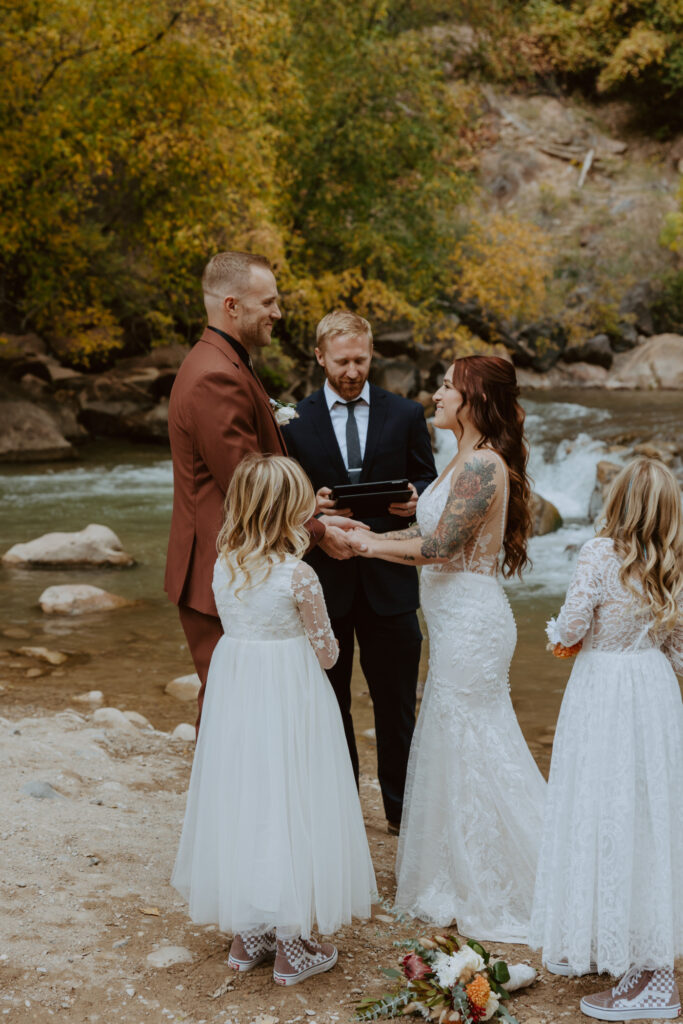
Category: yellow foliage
<point>502,265</point>
<point>86,338</point>
<point>643,48</point>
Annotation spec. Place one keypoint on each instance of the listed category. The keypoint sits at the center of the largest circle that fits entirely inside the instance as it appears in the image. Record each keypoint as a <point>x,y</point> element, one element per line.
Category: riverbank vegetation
<point>350,143</point>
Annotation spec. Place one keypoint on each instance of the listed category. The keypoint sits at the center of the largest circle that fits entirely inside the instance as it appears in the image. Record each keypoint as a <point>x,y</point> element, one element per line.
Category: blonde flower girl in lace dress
<point>609,887</point>
<point>273,840</point>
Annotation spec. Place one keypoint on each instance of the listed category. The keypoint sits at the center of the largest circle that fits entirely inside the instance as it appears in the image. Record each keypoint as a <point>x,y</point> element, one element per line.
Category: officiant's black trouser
<point>389,648</point>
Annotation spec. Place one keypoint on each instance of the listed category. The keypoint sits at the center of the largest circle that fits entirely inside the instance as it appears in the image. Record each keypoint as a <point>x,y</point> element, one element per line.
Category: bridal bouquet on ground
<point>444,982</point>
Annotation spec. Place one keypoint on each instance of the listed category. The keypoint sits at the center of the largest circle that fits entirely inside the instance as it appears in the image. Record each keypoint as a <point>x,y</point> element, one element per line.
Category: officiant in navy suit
<point>350,431</point>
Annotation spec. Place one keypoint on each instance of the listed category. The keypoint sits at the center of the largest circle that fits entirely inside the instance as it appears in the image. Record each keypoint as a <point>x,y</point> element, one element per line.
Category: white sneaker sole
<point>565,970</point>
<point>647,1013</point>
<point>294,979</point>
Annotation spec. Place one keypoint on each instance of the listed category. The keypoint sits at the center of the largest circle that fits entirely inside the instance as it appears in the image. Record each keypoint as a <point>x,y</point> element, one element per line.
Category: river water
<point>131,654</point>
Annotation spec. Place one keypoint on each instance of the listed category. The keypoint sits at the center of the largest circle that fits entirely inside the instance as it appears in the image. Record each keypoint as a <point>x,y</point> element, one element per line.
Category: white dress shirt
<point>339,416</point>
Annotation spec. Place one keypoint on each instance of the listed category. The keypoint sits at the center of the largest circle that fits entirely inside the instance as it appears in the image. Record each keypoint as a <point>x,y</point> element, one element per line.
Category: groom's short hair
<point>342,323</point>
<point>228,273</point>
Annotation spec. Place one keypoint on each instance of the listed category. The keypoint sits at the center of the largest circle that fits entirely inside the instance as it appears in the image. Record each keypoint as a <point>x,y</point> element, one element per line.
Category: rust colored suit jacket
<point>218,413</point>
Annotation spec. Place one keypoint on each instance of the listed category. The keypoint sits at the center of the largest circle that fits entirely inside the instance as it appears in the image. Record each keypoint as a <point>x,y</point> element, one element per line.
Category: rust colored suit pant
<point>202,633</point>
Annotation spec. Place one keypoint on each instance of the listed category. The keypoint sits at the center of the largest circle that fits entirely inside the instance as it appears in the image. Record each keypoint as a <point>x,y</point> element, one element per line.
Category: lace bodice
<point>288,603</point>
<point>481,553</point>
<point>600,611</point>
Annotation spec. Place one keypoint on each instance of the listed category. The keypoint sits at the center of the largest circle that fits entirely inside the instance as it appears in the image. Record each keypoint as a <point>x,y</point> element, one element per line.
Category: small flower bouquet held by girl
<point>444,982</point>
<point>555,645</point>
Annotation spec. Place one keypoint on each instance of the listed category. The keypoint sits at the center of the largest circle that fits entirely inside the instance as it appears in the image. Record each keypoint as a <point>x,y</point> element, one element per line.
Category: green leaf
<point>500,971</point>
<point>478,948</point>
<point>391,972</point>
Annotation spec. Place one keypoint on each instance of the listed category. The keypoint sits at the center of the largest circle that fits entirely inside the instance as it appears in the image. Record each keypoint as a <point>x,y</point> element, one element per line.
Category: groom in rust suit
<point>218,413</point>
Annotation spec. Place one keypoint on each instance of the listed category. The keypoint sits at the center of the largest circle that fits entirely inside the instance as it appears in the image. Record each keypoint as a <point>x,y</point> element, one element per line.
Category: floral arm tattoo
<point>408,534</point>
<point>471,495</point>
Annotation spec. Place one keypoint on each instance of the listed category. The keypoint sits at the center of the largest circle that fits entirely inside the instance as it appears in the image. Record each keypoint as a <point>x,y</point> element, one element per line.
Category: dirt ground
<point>85,895</point>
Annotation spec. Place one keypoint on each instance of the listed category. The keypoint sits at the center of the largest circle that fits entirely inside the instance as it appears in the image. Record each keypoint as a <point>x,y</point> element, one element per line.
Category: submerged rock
<point>79,599</point>
<point>95,545</point>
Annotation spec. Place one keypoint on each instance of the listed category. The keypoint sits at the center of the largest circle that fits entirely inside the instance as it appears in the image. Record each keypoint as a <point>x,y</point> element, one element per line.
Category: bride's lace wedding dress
<point>474,797</point>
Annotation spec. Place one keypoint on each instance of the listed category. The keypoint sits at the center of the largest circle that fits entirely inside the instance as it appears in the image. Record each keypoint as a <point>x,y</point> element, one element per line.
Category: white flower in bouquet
<point>492,1004</point>
<point>458,967</point>
<point>283,413</point>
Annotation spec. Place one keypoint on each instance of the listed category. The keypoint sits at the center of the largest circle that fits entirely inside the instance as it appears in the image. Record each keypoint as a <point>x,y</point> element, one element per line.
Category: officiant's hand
<point>324,503</point>
<point>405,508</point>
<point>335,542</point>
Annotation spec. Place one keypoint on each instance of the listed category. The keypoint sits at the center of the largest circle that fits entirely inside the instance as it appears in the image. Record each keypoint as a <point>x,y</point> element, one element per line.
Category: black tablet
<point>372,498</point>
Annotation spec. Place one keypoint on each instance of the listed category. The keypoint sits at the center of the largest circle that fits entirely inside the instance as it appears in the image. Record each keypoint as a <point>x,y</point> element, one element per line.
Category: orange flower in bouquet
<point>560,651</point>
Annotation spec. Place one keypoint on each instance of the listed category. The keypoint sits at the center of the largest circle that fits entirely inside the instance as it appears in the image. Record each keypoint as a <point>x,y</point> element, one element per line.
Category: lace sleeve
<point>673,645</point>
<point>583,595</point>
<point>310,601</point>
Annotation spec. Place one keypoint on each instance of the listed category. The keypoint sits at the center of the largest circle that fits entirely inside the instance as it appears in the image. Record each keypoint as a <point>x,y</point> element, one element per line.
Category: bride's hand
<point>361,542</point>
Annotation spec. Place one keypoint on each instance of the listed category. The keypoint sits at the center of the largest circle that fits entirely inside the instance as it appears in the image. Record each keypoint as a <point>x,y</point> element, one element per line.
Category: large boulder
<point>29,434</point>
<point>79,599</point>
<point>656,364</point>
<point>95,545</point>
<point>596,350</point>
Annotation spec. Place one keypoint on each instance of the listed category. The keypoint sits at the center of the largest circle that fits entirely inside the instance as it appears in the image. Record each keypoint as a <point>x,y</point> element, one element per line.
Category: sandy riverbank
<point>85,896</point>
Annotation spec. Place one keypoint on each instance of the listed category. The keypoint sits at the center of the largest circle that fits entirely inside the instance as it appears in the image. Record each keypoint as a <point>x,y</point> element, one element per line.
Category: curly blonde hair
<point>642,515</point>
<point>268,501</point>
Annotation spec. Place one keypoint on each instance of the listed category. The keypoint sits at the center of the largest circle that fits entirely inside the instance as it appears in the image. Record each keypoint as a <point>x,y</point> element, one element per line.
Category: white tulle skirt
<point>610,875</point>
<point>273,835</point>
<point>474,795</point>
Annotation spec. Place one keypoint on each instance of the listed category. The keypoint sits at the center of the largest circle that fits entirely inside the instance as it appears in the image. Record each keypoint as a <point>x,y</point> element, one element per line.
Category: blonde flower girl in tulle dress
<point>273,840</point>
<point>609,887</point>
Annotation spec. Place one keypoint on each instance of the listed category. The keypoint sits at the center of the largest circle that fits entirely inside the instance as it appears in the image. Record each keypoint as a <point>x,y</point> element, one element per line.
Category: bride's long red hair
<point>489,388</point>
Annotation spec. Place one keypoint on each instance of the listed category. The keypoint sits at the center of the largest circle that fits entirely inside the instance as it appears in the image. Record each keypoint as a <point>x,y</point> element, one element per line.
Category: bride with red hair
<point>474,797</point>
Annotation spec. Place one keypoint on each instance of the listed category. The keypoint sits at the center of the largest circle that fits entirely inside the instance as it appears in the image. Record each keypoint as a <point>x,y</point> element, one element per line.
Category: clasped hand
<point>338,528</point>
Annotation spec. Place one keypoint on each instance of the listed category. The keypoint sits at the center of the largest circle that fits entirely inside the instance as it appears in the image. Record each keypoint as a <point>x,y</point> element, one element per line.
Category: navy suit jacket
<point>397,446</point>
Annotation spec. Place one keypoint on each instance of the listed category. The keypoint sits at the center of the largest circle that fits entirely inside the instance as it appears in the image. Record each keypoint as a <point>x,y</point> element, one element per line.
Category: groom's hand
<point>405,508</point>
<point>335,542</point>
<point>343,523</point>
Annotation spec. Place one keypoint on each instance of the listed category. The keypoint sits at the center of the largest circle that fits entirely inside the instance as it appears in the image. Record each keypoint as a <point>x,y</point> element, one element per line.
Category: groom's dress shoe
<point>393,827</point>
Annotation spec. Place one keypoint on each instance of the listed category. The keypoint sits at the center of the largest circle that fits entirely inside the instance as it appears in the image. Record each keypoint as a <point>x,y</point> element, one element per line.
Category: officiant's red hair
<point>489,388</point>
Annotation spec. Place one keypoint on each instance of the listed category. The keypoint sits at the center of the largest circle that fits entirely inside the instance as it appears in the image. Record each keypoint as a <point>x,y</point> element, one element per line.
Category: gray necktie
<point>354,460</point>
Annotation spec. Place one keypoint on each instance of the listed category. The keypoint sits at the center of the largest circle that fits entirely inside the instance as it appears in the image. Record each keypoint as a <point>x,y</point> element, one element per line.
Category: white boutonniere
<point>283,413</point>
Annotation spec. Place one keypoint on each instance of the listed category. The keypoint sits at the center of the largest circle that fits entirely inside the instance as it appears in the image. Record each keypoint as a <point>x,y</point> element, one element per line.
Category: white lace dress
<point>273,835</point>
<point>474,796</point>
<point>610,874</point>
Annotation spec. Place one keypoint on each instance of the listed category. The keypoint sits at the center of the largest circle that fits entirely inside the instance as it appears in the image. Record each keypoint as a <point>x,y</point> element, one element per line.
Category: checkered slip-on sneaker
<point>640,995</point>
<point>562,967</point>
<point>298,959</point>
<point>249,949</point>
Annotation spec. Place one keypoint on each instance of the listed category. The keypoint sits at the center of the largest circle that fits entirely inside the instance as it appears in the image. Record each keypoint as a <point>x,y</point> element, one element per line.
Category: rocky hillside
<point>595,190</point>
